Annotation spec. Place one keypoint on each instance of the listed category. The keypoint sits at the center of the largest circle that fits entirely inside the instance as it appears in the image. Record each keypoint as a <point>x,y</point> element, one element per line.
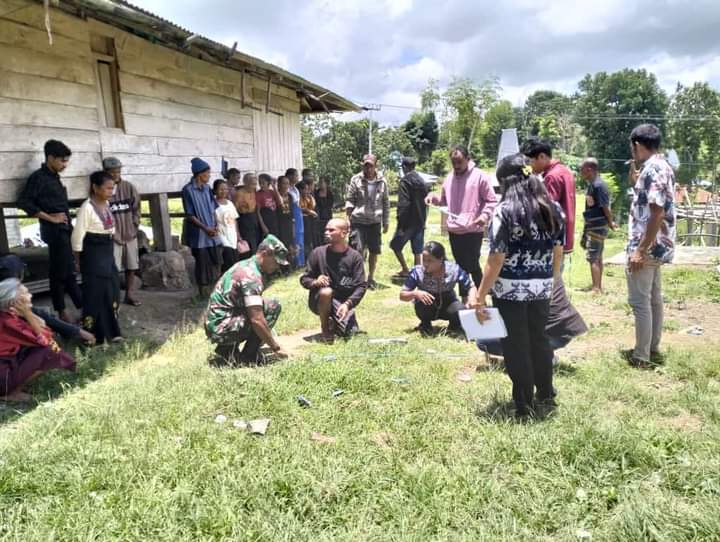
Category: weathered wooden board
<point>41,89</point>
<point>277,141</point>
<point>33,138</point>
<point>19,112</point>
<point>78,188</point>
<point>150,126</point>
<point>15,165</point>
<point>32,14</point>
<point>35,39</point>
<point>27,61</point>
<point>154,107</point>
<point>154,88</point>
<point>114,140</point>
<point>202,147</point>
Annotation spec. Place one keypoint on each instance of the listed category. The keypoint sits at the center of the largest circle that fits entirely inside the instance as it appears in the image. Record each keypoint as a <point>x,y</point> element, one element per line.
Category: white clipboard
<point>494,328</point>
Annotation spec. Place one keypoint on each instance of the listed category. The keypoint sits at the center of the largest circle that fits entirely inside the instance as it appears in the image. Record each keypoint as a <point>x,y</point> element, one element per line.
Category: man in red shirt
<point>559,182</point>
<point>564,322</point>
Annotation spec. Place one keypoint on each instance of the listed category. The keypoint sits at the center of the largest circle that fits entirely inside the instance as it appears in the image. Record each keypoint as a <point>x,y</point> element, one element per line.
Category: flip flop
<point>133,303</point>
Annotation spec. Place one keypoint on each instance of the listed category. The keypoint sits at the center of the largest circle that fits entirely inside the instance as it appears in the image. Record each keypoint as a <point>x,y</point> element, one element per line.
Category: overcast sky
<point>384,51</point>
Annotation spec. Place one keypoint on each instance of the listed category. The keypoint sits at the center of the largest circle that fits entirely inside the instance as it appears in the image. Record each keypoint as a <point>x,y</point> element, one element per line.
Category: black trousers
<point>527,351</point>
<point>230,257</point>
<point>466,252</point>
<point>61,265</point>
<point>444,308</point>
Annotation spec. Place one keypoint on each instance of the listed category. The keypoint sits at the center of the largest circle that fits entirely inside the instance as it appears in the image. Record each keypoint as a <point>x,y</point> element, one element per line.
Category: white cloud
<point>384,51</point>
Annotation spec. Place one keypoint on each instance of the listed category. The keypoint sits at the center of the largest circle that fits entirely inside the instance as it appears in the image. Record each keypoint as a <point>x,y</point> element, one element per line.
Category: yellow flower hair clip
<point>527,170</point>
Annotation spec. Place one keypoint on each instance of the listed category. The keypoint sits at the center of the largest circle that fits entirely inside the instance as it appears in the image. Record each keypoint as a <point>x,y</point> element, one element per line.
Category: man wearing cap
<point>237,312</point>
<point>368,208</point>
<point>200,229</point>
<point>336,279</point>
<point>411,215</point>
<point>125,207</point>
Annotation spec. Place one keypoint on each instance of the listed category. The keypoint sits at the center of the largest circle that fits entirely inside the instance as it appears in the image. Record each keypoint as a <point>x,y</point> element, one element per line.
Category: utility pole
<point>370,108</point>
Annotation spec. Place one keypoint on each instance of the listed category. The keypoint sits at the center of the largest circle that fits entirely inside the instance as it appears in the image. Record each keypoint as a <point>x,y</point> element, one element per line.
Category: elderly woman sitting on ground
<point>27,347</point>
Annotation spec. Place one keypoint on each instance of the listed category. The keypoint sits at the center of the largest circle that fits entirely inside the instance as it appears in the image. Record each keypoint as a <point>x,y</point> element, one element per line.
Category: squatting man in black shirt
<point>335,277</point>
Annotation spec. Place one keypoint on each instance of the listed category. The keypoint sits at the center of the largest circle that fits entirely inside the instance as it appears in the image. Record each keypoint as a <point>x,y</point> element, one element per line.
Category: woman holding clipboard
<point>526,237</point>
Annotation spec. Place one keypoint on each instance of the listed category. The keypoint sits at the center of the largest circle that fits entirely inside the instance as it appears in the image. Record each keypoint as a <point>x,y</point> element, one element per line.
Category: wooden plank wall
<point>277,142</point>
<point>174,107</point>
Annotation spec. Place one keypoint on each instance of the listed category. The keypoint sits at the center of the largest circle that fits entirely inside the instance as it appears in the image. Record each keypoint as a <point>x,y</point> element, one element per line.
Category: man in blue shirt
<point>200,230</point>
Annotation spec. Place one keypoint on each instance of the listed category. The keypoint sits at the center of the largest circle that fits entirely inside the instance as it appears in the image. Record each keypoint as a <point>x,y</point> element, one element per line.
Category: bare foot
<point>597,291</point>
<point>17,397</point>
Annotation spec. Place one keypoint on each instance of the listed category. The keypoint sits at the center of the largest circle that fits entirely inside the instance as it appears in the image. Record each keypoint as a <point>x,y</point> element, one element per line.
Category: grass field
<point>128,448</point>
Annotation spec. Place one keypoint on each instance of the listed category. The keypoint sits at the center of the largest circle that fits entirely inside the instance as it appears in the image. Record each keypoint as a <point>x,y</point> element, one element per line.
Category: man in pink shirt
<point>468,194</point>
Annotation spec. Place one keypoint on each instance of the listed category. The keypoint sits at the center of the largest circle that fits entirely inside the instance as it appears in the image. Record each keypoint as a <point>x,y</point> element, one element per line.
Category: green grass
<point>128,449</point>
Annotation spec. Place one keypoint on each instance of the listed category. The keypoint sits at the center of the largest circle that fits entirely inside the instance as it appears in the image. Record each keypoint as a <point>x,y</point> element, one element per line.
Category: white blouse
<point>87,221</point>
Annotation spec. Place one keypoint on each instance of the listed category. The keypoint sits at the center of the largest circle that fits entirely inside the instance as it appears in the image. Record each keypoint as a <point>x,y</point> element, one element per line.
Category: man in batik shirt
<point>651,241</point>
<point>237,312</point>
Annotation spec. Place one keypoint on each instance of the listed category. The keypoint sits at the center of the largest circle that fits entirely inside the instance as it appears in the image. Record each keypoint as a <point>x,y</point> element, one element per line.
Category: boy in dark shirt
<point>45,197</point>
<point>411,215</point>
<point>335,276</point>
<point>598,219</point>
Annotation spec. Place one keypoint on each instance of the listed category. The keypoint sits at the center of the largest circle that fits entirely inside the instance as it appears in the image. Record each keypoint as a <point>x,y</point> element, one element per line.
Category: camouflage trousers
<point>233,334</point>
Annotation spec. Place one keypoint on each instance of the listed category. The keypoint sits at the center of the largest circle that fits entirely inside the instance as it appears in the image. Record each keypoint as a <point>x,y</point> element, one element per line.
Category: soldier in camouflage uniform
<point>238,313</point>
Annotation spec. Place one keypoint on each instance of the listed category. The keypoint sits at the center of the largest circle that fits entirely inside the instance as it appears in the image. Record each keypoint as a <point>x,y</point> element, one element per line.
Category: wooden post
<point>160,220</point>
<point>4,244</point>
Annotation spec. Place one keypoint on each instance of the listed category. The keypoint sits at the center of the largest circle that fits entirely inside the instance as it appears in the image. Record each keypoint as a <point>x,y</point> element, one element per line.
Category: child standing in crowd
<point>247,210</point>
<point>286,228</point>
<point>299,234</point>
<point>526,237</point>
<point>267,205</point>
<point>233,180</point>
<point>227,216</point>
<point>92,243</point>
<point>307,206</point>
<point>324,201</point>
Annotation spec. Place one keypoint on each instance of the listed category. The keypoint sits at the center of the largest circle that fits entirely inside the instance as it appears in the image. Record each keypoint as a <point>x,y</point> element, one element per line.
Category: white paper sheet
<point>494,328</point>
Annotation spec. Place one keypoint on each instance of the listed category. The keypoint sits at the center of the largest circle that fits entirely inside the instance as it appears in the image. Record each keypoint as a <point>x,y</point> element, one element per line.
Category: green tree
<point>694,130</point>
<point>498,117</point>
<point>465,103</point>
<point>609,106</point>
<point>422,129</point>
<point>334,148</point>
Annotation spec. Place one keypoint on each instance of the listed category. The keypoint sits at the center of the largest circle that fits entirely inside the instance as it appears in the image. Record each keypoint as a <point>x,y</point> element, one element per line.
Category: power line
<point>599,116</point>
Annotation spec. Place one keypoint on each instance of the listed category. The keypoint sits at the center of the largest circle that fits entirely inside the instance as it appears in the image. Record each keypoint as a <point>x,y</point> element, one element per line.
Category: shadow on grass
<point>92,364</point>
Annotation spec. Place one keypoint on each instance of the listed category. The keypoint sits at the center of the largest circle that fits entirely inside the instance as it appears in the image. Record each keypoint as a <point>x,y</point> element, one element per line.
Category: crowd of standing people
<point>243,229</point>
